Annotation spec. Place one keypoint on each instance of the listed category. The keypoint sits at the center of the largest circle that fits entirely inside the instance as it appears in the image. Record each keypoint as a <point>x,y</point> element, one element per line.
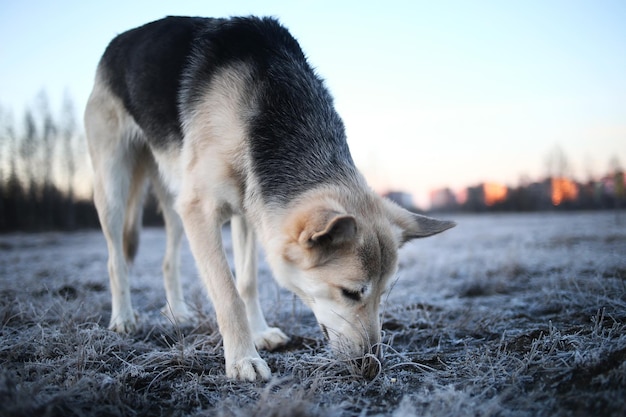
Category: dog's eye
<point>351,295</point>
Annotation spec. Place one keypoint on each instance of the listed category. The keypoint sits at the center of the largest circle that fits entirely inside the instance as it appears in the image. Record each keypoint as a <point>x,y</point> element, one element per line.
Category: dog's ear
<point>414,226</point>
<point>326,229</point>
<point>316,234</point>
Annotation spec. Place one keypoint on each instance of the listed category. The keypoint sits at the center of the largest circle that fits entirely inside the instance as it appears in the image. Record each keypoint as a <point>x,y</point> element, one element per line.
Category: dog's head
<point>339,256</point>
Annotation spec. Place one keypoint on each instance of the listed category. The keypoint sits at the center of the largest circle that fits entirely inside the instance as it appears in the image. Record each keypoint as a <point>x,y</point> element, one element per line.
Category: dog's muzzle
<point>370,365</point>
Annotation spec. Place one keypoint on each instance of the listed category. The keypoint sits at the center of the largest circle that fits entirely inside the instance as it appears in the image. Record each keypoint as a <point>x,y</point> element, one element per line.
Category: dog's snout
<point>369,365</point>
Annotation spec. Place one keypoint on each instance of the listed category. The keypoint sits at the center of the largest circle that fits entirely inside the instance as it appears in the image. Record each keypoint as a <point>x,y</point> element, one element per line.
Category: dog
<point>228,121</point>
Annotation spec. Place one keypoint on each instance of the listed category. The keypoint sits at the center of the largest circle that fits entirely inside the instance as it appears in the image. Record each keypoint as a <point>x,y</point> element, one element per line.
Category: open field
<point>505,315</point>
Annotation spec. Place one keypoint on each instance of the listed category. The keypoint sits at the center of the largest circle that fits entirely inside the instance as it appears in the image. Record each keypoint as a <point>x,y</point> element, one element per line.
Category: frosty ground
<point>505,315</point>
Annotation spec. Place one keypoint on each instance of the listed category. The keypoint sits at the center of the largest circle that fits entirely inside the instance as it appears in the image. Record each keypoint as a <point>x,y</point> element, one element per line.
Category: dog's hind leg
<point>111,189</point>
<point>120,160</point>
<point>176,309</point>
<point>115,160</point>
<point>245,254</point>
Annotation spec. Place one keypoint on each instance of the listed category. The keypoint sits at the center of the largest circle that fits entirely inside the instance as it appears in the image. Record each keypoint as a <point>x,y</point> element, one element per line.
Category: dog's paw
<point>123,323</point>
<point>180,316</point>
<point>249,369</point>
<point>270,339</point>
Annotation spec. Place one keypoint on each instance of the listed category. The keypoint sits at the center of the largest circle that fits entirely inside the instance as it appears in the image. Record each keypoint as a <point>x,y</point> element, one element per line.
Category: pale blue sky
<point>433,93</point>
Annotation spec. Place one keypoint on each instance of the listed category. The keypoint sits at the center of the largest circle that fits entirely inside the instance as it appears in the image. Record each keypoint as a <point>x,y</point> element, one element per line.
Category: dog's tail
<point>134,211</point>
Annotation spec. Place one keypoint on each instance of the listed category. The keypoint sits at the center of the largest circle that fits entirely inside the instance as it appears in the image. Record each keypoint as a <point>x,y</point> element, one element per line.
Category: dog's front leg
<point>202,221</point>
<point>245,254</point>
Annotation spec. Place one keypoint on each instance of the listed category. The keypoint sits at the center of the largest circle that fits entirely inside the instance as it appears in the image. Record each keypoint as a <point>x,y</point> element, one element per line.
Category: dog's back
<point>163,71</point>
<point>143,67</point>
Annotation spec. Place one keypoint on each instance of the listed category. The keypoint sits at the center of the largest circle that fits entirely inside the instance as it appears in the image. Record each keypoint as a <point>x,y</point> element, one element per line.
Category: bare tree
<point>557,163</point>
<point>618,185</point>
<point>615,165</point>
<point>46,157</point>
<point>28,149</point>
<point>68,133</point>
<point>28,159</point>
<point>12,190</point>
<point>39,166</point>
<point>48,140</point>
<point>5,145</point>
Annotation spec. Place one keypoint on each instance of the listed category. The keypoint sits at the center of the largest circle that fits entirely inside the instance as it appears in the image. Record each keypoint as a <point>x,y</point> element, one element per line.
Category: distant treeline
<point>557,193</point>
<point>45,177</point>
<point>37,209</point>
<point>29,207</point>
<point>553,194</point>
<point>41,159</point>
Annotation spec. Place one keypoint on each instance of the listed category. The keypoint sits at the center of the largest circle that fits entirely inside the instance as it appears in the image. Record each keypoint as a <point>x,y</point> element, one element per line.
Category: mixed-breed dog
<point>228,122</point>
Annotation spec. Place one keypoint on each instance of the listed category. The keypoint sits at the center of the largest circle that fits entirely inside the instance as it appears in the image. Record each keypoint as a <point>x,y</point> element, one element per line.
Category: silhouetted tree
<point>46,158</point>
<point>618,185</point>
<point>69,134</point>
<point>557,163</point>
<point>38,165</point>
<point>28,154</point>
<point>13,197</point>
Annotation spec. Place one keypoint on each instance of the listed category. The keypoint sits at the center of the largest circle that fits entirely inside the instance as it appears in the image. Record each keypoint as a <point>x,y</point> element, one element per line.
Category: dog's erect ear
<point>328,229</point>
<point>316,234</point>
<point>414,226</point>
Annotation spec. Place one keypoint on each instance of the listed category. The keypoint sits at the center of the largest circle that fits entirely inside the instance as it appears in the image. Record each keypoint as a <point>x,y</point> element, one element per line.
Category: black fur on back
<point>144,67</point>
<point>162,70</point>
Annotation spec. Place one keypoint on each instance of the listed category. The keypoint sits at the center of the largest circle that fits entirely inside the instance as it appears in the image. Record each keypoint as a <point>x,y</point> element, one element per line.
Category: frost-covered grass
<point>507,315</point>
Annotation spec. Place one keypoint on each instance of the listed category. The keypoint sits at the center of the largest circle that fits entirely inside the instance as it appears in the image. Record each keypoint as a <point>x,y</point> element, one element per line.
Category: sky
<point>433,93</point>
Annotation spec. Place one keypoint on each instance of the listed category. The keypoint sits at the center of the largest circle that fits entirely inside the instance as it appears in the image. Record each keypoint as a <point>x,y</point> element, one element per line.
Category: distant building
<point>494,193</point>
<point>563,190</point>
<point>553,193</point>
<point>485,195</point>
<point>401,198</point>
<point>537,196</point>
<point>442,199</point>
